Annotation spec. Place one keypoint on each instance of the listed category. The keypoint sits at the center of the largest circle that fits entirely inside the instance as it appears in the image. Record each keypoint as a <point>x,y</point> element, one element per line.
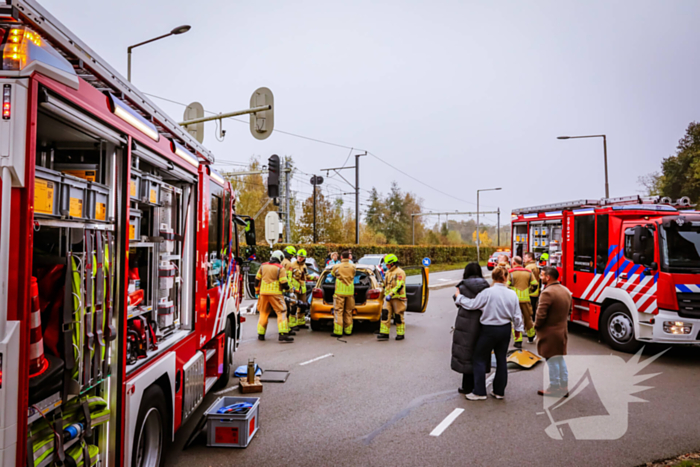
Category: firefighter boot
<point>531,334</point>
<point>261,337</point>
<point>285,339</point>
<point>382,337</point>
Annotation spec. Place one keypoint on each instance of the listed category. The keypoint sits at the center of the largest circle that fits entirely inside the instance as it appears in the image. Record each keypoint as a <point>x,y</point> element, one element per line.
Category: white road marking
<point>446,422</point>
<point>232,388</point>
<point>317,359</point>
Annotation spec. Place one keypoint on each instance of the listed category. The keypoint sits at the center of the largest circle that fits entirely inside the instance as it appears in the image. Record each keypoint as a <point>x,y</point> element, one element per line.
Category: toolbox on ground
<point>232,430</point>
<point>47,192</point>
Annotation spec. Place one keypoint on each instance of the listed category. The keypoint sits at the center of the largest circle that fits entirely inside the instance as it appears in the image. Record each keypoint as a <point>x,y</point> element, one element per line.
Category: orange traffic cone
<point>37,361</point>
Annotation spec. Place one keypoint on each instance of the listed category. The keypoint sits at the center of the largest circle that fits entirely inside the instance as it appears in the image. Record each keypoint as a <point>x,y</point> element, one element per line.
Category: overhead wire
<point>336,145</point>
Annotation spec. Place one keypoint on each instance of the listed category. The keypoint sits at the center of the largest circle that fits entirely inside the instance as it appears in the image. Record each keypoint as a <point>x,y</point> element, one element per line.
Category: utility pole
<point>356,188</point>
<point>477,219</point>
<point>498,227</point>
<point>315,236</point>
<point>315,180</point>
<point>287,226</point>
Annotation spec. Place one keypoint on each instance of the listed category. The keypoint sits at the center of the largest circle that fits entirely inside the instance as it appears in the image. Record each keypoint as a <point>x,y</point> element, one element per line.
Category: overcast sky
<point>459,94</point>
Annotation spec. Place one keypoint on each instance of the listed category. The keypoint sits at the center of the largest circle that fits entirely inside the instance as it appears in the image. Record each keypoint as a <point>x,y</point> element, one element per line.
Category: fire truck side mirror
<point>638,242</point>
<point>250,233</point>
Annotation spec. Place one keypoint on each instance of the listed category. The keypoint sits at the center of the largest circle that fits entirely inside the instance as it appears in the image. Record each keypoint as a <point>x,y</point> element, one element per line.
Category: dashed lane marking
<point>224,391</point>
<point>446,422</point>
<point>316,359</point>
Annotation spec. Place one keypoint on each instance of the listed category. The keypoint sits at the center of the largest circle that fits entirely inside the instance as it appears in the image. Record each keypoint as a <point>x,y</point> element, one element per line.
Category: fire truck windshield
<point>680,246</point>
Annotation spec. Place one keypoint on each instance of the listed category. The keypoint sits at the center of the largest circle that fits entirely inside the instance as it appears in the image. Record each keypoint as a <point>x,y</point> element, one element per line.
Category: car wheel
<point>229,350</point>
<point>316,325</point>
<point>617,328</point>
<point>151,428</point>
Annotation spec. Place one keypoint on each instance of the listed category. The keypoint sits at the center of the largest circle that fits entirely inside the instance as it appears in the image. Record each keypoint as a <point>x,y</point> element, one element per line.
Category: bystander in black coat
<point>467,325</point>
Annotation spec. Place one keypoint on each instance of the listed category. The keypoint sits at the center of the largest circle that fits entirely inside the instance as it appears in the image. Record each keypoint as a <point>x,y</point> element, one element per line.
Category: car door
<point>417,292</point>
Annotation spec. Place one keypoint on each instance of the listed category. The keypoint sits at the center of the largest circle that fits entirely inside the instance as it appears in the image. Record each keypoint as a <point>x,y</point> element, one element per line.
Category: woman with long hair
<point>467,327</point>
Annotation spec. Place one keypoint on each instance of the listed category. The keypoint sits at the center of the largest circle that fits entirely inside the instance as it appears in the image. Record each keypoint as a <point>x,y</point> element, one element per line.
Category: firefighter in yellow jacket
<point>344,296</point>
<point>270,281</point>
<point>531,264</point>
<point>299,274</point>
<point>522,281</point>
<point>394,299</point>
<point>289,253</point>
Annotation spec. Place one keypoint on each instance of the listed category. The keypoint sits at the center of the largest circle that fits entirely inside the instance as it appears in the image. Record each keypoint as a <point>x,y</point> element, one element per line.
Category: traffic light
<point>273,176</point>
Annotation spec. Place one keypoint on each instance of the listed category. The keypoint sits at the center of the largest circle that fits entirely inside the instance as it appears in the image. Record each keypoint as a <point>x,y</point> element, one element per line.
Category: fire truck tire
<point>229,349</point>
<point>152,430</point>
<point>617,328</point>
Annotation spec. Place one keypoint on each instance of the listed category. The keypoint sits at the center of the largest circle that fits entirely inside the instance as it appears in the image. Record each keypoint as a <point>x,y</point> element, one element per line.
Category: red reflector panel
<point>6,102</point>
<point>318,293</point>
<point>226,435</point>
<point>373,294</point>
<point>0,371</point>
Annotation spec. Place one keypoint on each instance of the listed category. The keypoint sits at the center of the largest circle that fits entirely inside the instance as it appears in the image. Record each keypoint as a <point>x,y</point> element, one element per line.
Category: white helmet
<point>278,255</point>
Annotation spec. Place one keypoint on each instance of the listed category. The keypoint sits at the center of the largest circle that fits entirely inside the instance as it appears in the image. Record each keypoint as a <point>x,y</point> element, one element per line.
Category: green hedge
<point>408,255</point>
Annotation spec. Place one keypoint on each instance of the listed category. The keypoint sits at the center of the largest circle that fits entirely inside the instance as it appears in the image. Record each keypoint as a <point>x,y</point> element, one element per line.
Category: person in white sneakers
<point>501,307</point>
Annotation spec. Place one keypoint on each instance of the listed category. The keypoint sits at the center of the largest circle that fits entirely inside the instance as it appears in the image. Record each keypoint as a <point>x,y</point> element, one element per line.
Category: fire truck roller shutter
<point>57,108</point>
<point>161,373</point>
<point>155,160</point>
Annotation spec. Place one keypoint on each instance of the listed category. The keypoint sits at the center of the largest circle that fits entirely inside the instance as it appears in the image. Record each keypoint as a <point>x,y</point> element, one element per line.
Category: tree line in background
<point>680,173</point>
<point>387,218</point>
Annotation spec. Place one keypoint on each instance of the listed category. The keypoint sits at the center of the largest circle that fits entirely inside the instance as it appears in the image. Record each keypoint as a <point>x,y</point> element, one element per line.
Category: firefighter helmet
<point>544,257</point>
<point>278,255</point>
<point>290,250</point>
<point>391,259</point>
<point>301,252</point>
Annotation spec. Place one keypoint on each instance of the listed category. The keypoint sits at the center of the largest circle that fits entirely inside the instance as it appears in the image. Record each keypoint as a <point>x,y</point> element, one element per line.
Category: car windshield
<point>370,260</point>
<point>680,247</point>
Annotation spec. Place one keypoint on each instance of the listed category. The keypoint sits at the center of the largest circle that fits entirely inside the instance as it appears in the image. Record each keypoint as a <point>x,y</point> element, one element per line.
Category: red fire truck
<point>631,263</point>
<point>120,279</point>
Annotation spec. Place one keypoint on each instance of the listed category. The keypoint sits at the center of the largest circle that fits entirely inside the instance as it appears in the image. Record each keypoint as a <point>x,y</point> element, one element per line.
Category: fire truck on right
<point>632,264</point>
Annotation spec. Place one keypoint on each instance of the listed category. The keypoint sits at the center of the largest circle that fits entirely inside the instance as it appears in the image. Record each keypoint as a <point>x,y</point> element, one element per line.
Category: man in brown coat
<point>552,335</point>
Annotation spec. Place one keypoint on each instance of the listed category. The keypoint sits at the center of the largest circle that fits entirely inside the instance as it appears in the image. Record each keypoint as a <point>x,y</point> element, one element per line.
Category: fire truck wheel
<point>617,328</point>
<point>151,428</point>
<point>229,349</point>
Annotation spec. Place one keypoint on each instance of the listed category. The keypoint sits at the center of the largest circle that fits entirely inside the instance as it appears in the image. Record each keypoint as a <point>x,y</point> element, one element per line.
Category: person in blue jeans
<point>551,322</point>
<point>501,307</point>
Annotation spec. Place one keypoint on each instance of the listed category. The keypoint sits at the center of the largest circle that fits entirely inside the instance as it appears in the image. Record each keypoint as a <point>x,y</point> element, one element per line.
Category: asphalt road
<point>376,403</point>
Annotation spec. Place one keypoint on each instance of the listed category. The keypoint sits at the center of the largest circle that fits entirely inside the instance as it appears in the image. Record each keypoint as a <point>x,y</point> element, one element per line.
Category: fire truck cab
<point>632,264</point>
<point>120,279</point>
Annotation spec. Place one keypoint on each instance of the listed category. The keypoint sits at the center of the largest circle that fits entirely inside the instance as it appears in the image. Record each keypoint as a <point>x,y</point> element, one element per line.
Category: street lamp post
<point>178,30</point>
<point>605,156</point>
<point>478,258</point>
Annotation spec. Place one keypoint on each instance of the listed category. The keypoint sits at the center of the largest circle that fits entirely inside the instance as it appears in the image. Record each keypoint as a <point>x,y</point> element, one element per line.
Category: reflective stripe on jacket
<point>271,276</point>
<point>532,266</point>
<point>523,282</point>
<point>395,283</point>
<point>299,276</point>
<point>344,274</point>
